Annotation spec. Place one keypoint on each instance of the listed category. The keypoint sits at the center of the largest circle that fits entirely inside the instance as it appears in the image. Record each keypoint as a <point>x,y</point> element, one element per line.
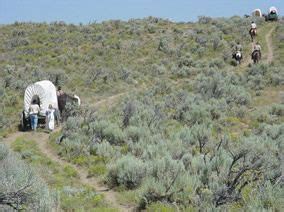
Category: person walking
<point>50,118</point>
<point>33,112</point>
<point>59,91</point>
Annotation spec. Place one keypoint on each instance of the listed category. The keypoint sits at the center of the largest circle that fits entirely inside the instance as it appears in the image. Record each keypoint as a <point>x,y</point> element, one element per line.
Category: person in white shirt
<point>253,27</point>
<point>33,112</point>
<point>50,118</point>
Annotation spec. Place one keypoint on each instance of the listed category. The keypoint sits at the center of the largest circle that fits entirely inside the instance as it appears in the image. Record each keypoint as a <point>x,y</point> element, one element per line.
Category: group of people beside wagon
<point>51,114</point>
<point>53,109</point>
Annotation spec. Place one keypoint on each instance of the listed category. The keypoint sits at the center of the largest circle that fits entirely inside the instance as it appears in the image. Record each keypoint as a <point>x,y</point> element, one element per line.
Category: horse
<point>252,33</point>
<point>255,56</point>
<point>63,99</point>
<point>238,57</point>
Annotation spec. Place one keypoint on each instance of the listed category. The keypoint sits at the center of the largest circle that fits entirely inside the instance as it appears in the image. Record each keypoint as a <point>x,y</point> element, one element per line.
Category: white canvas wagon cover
<point>273,9</point>
<point>257,12</point>
<point>46,92</point>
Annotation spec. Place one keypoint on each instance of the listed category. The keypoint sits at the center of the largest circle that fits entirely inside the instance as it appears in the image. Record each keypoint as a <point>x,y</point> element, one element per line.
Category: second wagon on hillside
<point>272,14</point>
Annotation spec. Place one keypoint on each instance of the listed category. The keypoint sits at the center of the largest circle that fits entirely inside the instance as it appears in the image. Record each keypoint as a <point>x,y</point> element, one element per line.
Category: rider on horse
<point>256,48</point>
<point>238,51</point>
<point>253,27</point>
<point>238,47</point>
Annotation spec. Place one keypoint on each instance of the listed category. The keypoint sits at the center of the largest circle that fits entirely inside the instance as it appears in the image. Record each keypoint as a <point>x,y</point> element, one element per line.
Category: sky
<point>89,11</point>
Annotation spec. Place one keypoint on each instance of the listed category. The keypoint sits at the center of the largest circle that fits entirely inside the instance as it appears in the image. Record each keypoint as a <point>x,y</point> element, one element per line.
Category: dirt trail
<point>107,101</point>
<point>269,55</point>
<point>268,41</point>
<point>12,137</point>
<point>42,139</point>
<point>110,196</point>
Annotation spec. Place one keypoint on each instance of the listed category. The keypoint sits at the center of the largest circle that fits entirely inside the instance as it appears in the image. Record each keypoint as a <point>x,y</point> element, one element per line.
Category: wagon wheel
<point>23,122</point>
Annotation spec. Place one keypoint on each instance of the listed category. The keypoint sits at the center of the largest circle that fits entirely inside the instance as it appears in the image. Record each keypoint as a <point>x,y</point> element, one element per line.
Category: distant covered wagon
<point>272,14</point>
<point>44,93</point>
<point>257,13</point>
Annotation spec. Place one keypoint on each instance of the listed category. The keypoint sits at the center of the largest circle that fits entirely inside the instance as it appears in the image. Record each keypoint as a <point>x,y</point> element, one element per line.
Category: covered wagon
<point>257,13</point>
<point>272,14</point>
<point>44,92</point>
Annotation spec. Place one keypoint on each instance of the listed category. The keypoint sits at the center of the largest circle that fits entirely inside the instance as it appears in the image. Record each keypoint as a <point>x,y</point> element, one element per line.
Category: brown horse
<point>252,33</point>
<point>63,99</point>
<point>255,56</point>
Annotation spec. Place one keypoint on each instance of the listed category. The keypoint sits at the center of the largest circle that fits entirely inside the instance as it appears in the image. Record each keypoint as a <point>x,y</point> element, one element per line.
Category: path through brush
<point>110,196</point>
<point>42,139</point>
<point>269,55</point>
<point>268,40</point>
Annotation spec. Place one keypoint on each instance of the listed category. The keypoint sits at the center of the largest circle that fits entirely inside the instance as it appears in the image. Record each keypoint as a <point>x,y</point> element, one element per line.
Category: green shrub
<point>20,187</point>
<point>97,169</point>
<point>104,149</point>
<point>277,110</point>
<point>3,152</point>
<point>114,134</point>
<point>167,183</point>
<point>127,171</point>
<point>73,198</point>
<point>137,134</point>
<point>217,86</point>
<point>70,171</point>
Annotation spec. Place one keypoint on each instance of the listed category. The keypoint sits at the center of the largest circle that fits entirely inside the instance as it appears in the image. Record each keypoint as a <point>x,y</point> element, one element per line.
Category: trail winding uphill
<point>42,139</point>
<point>108,101</point>
<point>268,40</point>
<point>269,54</point>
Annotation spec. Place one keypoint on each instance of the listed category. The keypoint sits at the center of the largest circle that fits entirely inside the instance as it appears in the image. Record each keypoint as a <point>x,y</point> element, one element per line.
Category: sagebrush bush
<point>113,134</point>
<point>127,171</point>
<point>105,150</point>
<point>218,86</point>
<point>277,109</point>
<point>20,187</point>
<point>277,76</point>
<point>137,134</point>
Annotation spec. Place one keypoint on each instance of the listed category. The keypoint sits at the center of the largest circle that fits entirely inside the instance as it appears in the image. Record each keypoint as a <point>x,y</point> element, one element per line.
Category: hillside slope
<point>167,120</point>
